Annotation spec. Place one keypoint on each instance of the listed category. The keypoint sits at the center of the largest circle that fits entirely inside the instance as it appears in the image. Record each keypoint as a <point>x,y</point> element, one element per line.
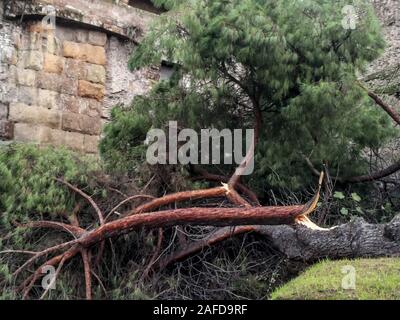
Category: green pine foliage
<point>28,189</point>
<point>29,192</point>
<point>292,59</point>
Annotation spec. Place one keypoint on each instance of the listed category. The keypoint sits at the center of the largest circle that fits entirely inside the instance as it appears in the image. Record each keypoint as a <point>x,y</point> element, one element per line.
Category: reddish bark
<point>389,110</point>
<point>205,175</point>
<point>87,271</point>
<point>194,216</point>
<point>179,197</point>
<point>235,198</point>
<point>241,169</point>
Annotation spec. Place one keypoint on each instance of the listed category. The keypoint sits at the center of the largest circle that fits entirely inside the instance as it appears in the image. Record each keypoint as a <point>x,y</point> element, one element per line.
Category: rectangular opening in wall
<point>146,5</point>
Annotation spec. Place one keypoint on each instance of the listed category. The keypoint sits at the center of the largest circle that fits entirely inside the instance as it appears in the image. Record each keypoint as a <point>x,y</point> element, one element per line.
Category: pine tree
<point>291,66</point>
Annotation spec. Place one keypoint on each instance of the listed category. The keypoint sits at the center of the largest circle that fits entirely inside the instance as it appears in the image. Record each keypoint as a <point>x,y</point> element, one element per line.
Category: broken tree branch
<point>87,270</point>
<point>389,110</point>
<point>179,197</point>
<point>87,197</point>
<point>193,216</point>
<point>373,176</point>
<point>205,175</point>
<point>129,199</point>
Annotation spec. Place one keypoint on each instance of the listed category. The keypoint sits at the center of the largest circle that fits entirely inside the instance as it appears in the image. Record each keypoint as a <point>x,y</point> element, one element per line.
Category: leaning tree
<point>289,70</point>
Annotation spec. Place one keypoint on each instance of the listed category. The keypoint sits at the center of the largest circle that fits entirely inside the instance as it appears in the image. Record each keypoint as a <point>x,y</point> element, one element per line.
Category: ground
<point>375,279</point>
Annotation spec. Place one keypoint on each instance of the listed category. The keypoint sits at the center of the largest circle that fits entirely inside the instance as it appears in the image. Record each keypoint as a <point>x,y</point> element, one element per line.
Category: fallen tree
<point>85,240</point>
<point>246,88</point>
<point>286,227</point>
<point>356,239</point>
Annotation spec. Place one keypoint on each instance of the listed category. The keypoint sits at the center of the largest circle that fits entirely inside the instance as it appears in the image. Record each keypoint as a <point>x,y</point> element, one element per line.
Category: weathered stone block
<point>74,140</point>
<point>33,60</point>
<point>90,144</point>
<point>65,34</point>
<point>73,50</point>
<point>31,41</point>
<point>49,81</point>
<point>12,75</point>
<point>27,95</point>
<point>97,55</point>
<point>85,106</point>
<point>53,63</point>
<point>20,112</point>
<point>81,36</point>
<point>81,123</point>
<point>54,82</point>
<point>91,107</point>
<point>68,103</point>
<point>53,137</point>
<point>6,130</point>
<point>84,52</point>
<point>91,125</point>
<point>75,69</point>
<point>95,73</point>
<point>3,111</point>
<point>91,90</point>
<point>69,86</point>
<point>8,94</point>
<point>97,38</point>
<point>47,99</point>
<point>26,77</point>
<point>25,132</point>
<point>52,45</point>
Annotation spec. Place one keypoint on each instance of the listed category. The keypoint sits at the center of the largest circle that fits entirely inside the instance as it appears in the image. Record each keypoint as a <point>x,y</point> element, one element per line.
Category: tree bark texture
<point>356,239</point>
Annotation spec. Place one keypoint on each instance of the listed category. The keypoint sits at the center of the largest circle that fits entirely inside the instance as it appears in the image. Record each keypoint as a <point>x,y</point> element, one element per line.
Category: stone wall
<point>8,36</point>
<point>59,82</point>
<point>123,84</point>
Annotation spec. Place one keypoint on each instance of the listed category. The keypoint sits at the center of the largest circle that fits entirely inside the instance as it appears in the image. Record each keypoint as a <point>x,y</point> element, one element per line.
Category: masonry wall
<point>58,85</point>
<point>8,59</point>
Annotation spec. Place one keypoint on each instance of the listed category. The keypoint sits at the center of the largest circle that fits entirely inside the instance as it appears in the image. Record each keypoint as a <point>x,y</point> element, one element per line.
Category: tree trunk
<point>356,239</point>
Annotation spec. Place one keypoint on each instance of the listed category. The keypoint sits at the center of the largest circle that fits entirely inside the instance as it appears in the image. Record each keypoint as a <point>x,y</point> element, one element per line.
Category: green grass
<point>375,279</point>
